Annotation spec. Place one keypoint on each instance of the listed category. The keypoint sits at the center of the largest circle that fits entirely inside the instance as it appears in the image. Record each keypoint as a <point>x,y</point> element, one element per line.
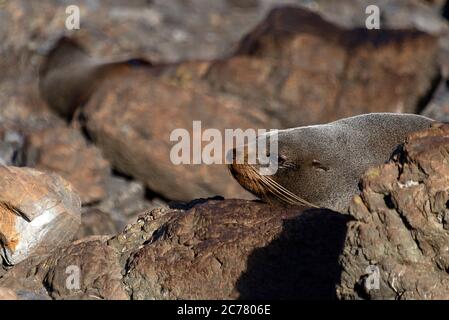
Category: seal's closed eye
<point>317,165</point>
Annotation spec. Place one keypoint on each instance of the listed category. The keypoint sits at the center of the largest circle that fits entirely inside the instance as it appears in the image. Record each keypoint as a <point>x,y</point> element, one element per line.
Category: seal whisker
<point>278,190</point>
<point>287,193</point>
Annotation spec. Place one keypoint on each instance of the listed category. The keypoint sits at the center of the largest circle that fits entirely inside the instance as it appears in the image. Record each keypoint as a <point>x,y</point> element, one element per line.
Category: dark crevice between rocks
<point>180,205</point>
<point>427,97</point>
<point>151,195</point>
<point>81,119</point>
<point>445,10</point>
<point>46,284</point>
<point>302,263</point>
<point>389,201</point>
<point>360,290</point>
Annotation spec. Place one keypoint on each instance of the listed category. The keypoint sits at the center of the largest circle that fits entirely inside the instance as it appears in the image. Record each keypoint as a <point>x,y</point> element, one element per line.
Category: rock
<point>438,107</point>
<point>395,14</point>
<point>11,147</point>
<point>112,125</point>
<point>400,225</point>
<point>64,151</point>
<point>7,294</point>
<point>211,249</point>
<point>38,213</point>
<point>94,223</point>
<point>125,200</point>
<point>313,71</point>
<point>239,249</point>
<point>33,136</point>
<point>87,269</point>
<point>202,30</point>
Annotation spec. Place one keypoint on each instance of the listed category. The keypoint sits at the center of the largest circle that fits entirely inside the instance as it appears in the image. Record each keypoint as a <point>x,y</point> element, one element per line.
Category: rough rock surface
<point>438,107</point>
<point>96,222</point>
<point>125,200</point>
<point>234,249</point>
<point>64,151</point>
<point>99,272</point>
<point>401,224</point>
<point>38,213</point>
<point>7,294</point>
<point>216,249</point>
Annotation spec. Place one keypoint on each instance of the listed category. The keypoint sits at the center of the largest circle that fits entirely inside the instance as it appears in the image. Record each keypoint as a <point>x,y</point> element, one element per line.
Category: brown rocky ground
<point>215,249</point>
<point>237,249</point>
<point>282,73</point>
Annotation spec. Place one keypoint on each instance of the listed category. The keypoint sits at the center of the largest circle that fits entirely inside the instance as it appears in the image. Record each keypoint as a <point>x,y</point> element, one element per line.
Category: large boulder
<point>313,71</point>
<point>396,247</point>
<point>215,249</point>
<point>148,117</point>
<point>238,249</point>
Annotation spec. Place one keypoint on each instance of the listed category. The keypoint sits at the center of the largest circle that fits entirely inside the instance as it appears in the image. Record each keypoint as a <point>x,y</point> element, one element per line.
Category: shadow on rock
<point>302,263</point>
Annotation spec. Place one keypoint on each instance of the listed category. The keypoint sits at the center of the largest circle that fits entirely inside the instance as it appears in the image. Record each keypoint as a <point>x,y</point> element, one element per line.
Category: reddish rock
<point>91,259</point>
<point>237,249</point>
<point>319,72</point>
<point>64,151</point>
<point>149,117</point>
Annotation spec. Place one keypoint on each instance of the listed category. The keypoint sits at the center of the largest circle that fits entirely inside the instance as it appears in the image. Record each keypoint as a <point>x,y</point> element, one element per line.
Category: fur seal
<point>320,165</point>
<point>69,75</point>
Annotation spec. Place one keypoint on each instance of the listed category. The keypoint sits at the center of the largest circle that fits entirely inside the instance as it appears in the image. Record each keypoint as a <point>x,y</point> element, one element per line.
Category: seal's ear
<point>65,51</point>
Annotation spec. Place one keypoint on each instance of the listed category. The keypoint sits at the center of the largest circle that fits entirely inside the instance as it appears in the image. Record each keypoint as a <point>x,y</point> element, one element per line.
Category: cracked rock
<point>38,213</point>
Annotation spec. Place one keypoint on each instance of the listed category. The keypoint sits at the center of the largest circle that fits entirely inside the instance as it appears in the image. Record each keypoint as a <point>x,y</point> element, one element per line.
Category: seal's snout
<point>241,170</point>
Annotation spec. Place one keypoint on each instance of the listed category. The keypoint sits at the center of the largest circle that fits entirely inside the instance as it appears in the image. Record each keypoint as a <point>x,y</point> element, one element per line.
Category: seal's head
<point>320,166</point>
<point>307,172</point>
